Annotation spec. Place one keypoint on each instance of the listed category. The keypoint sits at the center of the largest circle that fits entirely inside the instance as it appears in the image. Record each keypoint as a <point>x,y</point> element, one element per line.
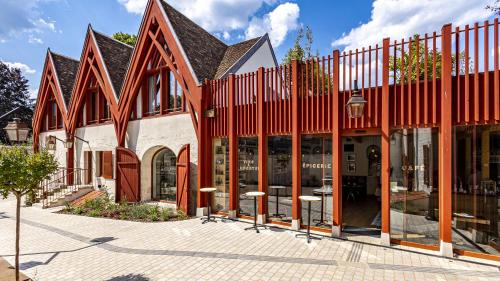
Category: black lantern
<point>17,131</point>
<point>356,104</point>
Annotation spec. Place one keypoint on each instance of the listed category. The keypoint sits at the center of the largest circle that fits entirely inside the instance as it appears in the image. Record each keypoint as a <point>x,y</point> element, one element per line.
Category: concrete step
<point>71,195</point>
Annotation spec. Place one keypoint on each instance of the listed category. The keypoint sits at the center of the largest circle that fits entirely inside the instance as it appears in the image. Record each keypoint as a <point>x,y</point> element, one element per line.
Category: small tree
<point>20,174</point>
<point>126,38</point>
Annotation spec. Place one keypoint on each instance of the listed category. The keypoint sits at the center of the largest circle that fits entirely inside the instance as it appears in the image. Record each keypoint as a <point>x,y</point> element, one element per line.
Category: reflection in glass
<point>247,173</point>
<point>164,179</point>
<point>279,178</point>
<point>476,189</point>
<point>414,185</point>
<point>317,178</point>
<point>221,175</point>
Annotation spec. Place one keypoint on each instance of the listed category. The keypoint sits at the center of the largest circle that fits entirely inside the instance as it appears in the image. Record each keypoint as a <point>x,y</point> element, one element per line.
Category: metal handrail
<point>64,181</point>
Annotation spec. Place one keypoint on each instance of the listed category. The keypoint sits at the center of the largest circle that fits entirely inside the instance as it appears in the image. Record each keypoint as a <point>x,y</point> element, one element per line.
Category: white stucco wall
<point>101,138</point>
<point>148,135</point>
<point>262,57</point>
<point>60,152</point>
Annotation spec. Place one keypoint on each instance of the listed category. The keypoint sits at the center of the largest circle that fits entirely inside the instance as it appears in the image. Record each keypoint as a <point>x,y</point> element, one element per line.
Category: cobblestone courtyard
<point>66,247</point>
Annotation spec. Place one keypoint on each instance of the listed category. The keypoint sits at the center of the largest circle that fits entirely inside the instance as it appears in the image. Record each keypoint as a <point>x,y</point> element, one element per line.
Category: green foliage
<point>411,62</point>
<point>14,93</point>
<point>126,38</point>
<point>104,207</point>
<point>22,171</point>
<point>300,51</point>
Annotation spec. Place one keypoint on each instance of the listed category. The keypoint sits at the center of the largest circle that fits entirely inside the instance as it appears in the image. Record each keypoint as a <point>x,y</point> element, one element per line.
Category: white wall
<point>262,57</point>
<point>101,138</point>
<point>60,152</point>
<point>148,135</point>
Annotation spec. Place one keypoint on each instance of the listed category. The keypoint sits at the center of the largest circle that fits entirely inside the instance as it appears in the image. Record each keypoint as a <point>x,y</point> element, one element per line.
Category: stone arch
<point>147,169</point>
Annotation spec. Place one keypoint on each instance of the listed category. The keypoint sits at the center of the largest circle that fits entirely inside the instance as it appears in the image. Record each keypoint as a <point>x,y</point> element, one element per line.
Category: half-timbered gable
<point>55,91</point>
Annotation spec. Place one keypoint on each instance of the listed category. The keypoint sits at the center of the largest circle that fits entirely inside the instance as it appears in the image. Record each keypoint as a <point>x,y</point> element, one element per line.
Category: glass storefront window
<point>247,173</point>
<point>279,178</point>
<point>414,185</point>
<point>476,189</point>
<point>317,179</point>
<point>164,181</point>
<point>220,202</point>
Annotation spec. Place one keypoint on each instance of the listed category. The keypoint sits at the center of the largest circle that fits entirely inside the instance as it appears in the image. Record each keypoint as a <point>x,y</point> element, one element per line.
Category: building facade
<point>182,110</point>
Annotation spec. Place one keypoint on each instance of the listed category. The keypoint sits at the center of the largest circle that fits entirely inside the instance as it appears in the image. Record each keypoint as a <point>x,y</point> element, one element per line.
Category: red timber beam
<point>386,144</point>
<point>204,168</point>
<point>337,113</point>
<point>91,65</point>
<point>233,149</point>
<point>296,146</point>
<point>445,144</point>
<point>50,87</point>
<point>155,24</point>
<point>262,144</point>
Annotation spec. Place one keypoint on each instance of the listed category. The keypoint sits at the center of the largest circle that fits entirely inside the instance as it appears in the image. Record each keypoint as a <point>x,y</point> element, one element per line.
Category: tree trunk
<point>18,230</point>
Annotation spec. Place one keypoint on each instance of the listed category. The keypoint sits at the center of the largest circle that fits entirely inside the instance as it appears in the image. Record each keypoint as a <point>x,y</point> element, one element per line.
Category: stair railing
<point>61,183</point>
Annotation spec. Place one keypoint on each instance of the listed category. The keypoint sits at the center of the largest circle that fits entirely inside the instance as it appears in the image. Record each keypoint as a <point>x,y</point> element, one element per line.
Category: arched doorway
<point>163,179</point>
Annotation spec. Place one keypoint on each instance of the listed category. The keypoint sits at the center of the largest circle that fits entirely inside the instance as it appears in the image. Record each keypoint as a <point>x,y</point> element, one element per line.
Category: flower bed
<point>106,208</point>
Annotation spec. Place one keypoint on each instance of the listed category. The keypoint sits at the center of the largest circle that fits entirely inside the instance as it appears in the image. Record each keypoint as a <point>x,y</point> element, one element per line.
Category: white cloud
<point>33,93</point>
<point>21,18</point>
<point>226,35</point>
<point>23,67</point>
<point>134,6</point>
<point>402,18</point>
<point>34,40</point>
<point>277,23</point>
<point>213,15</point>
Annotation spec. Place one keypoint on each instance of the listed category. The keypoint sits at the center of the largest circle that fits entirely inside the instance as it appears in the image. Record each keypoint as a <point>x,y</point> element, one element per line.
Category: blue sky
<point>29,27</point>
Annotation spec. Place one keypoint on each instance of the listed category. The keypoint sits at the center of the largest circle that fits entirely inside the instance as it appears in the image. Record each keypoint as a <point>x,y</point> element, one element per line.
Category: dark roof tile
<point>116,56</point>
<point>233,54</point>
<point>204,51</point>
<point>66,69</point>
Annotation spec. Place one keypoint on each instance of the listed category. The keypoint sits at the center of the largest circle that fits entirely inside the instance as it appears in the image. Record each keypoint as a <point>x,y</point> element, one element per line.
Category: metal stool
<point>209,191</point>
<point>308,199</point>
<point>255,194</point>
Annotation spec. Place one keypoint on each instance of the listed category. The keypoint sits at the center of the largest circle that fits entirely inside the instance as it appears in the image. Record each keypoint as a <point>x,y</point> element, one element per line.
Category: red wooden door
<point>128,169</point>
<point>183,179</point>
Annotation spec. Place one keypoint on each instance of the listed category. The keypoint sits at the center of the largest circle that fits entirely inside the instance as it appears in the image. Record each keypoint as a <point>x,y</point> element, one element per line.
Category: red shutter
<point>183,182</point>
<point>107,164</point>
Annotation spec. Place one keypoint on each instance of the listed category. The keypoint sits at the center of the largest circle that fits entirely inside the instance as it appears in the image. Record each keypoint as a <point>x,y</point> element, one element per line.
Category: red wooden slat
<point>402,82</point>
<point>434,84</point>
<point>476,72</point>
<point>457,75</point>
<point>496,77</point>
<point>466,85</point>
<point>486,93</point>
<point>417,88</point>
<point>409,101</point>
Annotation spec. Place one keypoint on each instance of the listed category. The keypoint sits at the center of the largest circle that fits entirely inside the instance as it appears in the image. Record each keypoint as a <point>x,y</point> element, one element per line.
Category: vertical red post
<point>70,163</point>
<point>233,149</point>
<point>337,115</point>
<point>262,144</point>
<point>445,145</point>
<point>296,143</point>
<point>386,143</point>
<point>201,201</point>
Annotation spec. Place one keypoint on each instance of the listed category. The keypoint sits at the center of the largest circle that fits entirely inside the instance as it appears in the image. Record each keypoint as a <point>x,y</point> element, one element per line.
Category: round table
<point>255,194</point>
<point>277,187</point>
<point>308,199</point>
<point>324,191</point>
<point>209,191</point>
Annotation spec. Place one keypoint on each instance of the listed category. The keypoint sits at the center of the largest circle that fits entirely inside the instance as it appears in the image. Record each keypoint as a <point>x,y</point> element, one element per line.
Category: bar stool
<point>277,188</point>
<point>323,191</point>
<point>255,194</point>
<point>209,191</point>
<point>308,199</point>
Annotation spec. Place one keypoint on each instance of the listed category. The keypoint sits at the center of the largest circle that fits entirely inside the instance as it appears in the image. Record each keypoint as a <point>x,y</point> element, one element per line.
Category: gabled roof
<point>233,54</point>
<point>66,69</point>
<point>116,56</point>
<point>209,57</point>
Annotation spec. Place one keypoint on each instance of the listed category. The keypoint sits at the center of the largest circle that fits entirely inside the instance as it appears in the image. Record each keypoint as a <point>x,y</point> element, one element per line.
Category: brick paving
<point>67,247</point>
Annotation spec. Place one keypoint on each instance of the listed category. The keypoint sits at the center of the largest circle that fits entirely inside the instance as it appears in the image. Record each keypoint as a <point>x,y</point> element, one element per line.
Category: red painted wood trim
<point>233,147</point>
<point>445,137</point>
<point>296,141</point>
<point>262,140</point>
<point>385,141</point>
<point>336,144</point>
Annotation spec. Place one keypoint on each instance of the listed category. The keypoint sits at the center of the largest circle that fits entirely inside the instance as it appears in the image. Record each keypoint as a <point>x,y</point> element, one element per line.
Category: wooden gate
<point>128,170</point>
<point>183,181</point>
